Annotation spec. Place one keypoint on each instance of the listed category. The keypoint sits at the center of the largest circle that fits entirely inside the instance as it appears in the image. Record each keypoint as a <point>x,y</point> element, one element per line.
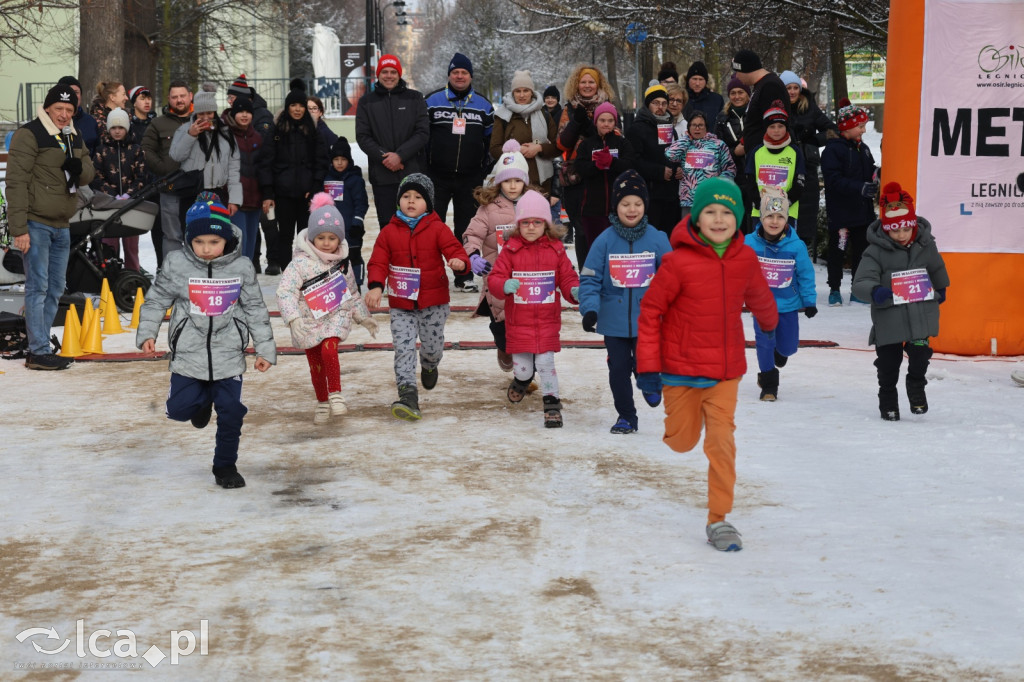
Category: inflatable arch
<point>954,130</point>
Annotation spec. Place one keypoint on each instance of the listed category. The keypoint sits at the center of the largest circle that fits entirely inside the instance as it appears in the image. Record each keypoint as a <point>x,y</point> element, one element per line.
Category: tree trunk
<point>101,48</point>
<point>786,45</point>
<point>610,68</point>
<point>139,54</point>
<point>837,60</point>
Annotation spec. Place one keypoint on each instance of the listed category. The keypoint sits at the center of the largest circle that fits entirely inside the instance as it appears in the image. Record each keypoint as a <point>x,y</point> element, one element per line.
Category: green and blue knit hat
<point>209,216</point>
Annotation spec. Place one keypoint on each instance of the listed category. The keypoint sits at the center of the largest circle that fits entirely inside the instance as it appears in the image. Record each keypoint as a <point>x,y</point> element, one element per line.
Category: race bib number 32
<point>535,287</point>
<point>911,286</point>
<point>631,270</point>
<point>404,282</point>
<point>212,297</point>
<point>778,271</point>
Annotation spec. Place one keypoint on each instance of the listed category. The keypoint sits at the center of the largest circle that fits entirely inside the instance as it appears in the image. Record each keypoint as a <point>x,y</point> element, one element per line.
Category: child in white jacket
<point>318,298</point>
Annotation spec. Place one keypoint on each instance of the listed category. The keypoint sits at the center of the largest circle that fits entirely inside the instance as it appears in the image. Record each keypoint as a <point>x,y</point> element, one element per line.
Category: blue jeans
<point>787,340</point>
<point>46,266</point>
<point>249,223</point>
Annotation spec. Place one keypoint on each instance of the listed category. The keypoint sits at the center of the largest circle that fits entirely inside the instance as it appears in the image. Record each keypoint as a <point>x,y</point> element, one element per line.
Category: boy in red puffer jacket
<point>691,338</point>
<point>531,270</point>
<point>409,256</point>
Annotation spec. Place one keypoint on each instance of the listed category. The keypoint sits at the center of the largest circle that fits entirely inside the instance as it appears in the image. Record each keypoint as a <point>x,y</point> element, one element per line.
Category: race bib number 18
<point>213,297</point>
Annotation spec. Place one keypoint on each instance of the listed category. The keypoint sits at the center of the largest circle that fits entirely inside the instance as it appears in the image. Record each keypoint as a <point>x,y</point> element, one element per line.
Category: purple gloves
<point>881,294</point>
<point>479,264</point>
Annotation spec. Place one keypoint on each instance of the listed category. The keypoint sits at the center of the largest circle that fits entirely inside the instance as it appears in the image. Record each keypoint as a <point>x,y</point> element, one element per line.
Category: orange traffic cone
<point>111,318</point>
<point>94,344</point>
<point>71,345</point>
<point>137,310</point>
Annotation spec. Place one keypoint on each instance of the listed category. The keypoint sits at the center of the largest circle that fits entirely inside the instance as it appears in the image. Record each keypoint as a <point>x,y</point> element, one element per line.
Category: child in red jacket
<point>691,338</point>
<point>409,256</point>
<point>531,271</point>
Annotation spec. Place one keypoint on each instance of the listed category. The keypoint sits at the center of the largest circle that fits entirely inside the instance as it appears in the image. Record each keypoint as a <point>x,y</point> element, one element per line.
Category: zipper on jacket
<point>209,332</point>
<point>629,306</point>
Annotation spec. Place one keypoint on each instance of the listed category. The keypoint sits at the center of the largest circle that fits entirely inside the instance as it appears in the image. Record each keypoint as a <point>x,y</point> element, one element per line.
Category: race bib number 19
<point>535,287</point>
<point>911,286</point>
<point>213,297</point>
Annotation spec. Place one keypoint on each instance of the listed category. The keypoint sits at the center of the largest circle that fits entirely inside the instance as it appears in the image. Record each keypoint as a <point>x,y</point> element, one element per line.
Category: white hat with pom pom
<point>511,164</point>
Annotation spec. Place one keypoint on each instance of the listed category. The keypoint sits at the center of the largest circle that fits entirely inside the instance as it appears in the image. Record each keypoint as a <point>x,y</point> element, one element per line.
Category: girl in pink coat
<point>318,298</point>
<point>531,271</point>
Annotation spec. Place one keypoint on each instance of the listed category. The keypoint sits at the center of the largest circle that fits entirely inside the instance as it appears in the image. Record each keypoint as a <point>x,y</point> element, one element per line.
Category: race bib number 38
<point>212,297</point>
<point>911,286</point>
<point>535,287</point>
<point>631,270</point>
<point>404,282</point>
<point>778,271</point>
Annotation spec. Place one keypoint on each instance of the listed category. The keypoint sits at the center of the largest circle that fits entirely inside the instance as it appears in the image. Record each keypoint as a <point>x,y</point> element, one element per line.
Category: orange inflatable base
<point>983,302</point>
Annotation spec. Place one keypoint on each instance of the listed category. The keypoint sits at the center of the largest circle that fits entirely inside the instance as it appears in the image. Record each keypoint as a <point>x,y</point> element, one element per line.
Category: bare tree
<point>26,20</point>
<point>100,60</point>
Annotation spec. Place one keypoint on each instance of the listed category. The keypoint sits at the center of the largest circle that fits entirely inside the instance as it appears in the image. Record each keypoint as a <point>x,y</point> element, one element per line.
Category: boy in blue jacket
<point>790,275</point>
<point>620,266</point>
<point>344,182</point>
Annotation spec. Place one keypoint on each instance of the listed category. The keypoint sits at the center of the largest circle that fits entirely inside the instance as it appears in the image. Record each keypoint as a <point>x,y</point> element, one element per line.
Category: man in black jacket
<point>766,87</point>
<point>651,134</point>
<point>391,128</point>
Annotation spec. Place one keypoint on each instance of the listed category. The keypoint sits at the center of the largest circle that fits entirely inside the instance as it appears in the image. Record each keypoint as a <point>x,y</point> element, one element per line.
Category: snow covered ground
<point>478,545</point>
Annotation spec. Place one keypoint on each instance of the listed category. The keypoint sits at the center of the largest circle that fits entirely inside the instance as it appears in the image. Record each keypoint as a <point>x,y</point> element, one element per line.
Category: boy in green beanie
<point>691,344</point>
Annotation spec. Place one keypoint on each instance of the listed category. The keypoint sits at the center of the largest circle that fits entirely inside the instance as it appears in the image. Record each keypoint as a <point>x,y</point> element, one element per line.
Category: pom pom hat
<point>324,217</point>
<point>511,164</point>
<point>533,205</point>
<point>897,208</point>
<point>850,116</point>
<point>208,216</point>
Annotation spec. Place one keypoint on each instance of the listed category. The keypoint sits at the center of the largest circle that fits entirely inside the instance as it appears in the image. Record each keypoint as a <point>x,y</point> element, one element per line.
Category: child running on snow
<point>485,236</point>
<point>790,275</point>
<point>691,339</point>
<point>620,266</point>
<point>409,258</point>
<point>318,298</point>
<point>904,277</point>
<point>218,305</point>
<point>531,271</point>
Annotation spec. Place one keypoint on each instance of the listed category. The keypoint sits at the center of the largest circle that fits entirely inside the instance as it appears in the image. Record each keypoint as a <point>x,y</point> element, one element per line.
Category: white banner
<point>971,147</point>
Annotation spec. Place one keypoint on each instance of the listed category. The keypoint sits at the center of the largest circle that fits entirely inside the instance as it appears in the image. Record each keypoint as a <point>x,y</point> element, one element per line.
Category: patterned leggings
<point>427,324</point>
<point>324,368</point>
<point>524,364</point>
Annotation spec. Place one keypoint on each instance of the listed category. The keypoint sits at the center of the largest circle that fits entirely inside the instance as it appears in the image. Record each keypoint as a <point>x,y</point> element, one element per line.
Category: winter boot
<point>407,407</point>
<point>918,355</point>
<point>780,359</point>
<point>724,537</point>
<point>517,390</point>
<point>322,413</point>
<point>623,426</point>
<point>769,383</point>
<point>504,361</point>
<point>552,412</point>
<point>338,406</point>
<point>835,299</point>
<point>889,404</point>
<point>428,377</point>
<point>201,418</point>
<point>916,395</point>
<point>228,477</point>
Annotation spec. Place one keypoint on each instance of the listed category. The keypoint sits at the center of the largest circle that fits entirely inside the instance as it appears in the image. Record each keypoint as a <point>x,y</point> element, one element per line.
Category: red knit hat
<point>389,60</point>
<point>897,209</point>
<point>851,116</point>
<point>776,113</point>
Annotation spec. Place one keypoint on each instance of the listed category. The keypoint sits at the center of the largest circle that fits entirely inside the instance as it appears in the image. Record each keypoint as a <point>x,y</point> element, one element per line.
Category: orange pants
<point>688,411</point>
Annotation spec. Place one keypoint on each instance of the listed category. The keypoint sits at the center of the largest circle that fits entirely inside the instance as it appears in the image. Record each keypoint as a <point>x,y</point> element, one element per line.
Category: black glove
<point>73,166</point>
<point>590,321</point>
<point>810,311</point>
<point>940,295</point>
<point>579,114</point>
<point>869,189</point>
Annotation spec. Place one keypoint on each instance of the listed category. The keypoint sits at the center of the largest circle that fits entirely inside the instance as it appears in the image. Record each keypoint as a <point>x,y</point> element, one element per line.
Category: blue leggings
<point>187,396</point>
<point>787,340</point>
<point>621,368</point>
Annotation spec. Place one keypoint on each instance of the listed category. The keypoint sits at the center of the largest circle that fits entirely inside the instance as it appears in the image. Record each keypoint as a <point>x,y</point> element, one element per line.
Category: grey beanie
<point>204,101</point>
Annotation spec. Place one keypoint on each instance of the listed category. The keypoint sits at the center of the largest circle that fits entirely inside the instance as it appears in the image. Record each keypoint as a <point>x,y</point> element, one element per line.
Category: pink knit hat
<point>606,108</point>
<point>533,205</point>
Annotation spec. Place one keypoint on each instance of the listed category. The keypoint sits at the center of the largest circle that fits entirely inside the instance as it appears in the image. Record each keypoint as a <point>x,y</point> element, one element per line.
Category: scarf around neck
<point>630,234</point>
<point>533,113</point>
<point>776,146</point>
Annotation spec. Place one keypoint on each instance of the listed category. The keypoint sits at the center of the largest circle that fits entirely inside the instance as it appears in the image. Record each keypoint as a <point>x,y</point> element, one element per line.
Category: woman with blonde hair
<point>585,89</point>
<point>677,99</point>
<point>110,95</point>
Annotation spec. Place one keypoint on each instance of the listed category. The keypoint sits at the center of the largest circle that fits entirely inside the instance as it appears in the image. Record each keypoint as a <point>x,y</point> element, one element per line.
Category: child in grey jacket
<point>904,277</point>
<point>218,305</point>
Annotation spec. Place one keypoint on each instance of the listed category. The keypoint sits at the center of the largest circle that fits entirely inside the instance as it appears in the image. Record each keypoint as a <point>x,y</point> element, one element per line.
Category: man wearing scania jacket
<point>391,128</point>
<point>458,156</point>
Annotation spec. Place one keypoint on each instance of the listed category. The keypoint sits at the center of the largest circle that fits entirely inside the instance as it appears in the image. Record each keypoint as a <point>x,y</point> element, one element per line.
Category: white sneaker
<point>337,403</point>
<point>1018,377</point>
<point>322,413</point>
<point>723,537</point>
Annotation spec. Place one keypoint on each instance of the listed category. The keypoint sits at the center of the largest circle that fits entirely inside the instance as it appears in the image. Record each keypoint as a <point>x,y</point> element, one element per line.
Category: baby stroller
<point>102,216</point>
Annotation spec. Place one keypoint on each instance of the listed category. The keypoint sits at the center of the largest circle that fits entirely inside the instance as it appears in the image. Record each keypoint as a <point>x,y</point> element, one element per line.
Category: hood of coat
<point>876,235</point>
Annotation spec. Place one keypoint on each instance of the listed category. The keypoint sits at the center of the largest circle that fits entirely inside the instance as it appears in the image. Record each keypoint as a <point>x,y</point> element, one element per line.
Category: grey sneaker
<point>723,537</point>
